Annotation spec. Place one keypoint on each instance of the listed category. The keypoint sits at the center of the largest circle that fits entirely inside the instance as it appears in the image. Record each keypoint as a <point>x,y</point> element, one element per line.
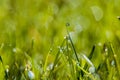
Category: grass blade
<point>1,59</point>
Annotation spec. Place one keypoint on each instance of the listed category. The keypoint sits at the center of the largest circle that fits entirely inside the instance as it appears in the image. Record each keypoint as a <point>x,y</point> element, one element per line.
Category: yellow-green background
<point>44,22</point>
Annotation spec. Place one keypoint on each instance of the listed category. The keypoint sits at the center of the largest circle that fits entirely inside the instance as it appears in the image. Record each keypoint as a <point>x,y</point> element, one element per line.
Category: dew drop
<point>67,24</point>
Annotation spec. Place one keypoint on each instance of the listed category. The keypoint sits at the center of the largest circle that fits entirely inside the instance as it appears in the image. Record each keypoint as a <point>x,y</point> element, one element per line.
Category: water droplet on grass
<point>50,67</point>
<point>113,63</point>
<point>92,69</point>
<point>67,24</point>
<point>106,49</point>
<point>31,75</point>
<point>61,50</point>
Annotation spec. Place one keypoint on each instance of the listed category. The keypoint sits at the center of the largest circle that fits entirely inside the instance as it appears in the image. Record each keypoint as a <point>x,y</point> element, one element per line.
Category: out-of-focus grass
<point>31,32</point>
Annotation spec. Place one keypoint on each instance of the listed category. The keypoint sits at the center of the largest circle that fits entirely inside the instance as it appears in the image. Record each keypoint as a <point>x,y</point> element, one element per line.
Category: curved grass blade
<point>56,60</point>
<point>74,50</point>
<point>89,57</point>
<point>115,59</point>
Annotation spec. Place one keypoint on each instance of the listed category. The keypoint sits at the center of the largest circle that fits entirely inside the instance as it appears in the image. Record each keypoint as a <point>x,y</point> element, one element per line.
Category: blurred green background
<point>42,23</point>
